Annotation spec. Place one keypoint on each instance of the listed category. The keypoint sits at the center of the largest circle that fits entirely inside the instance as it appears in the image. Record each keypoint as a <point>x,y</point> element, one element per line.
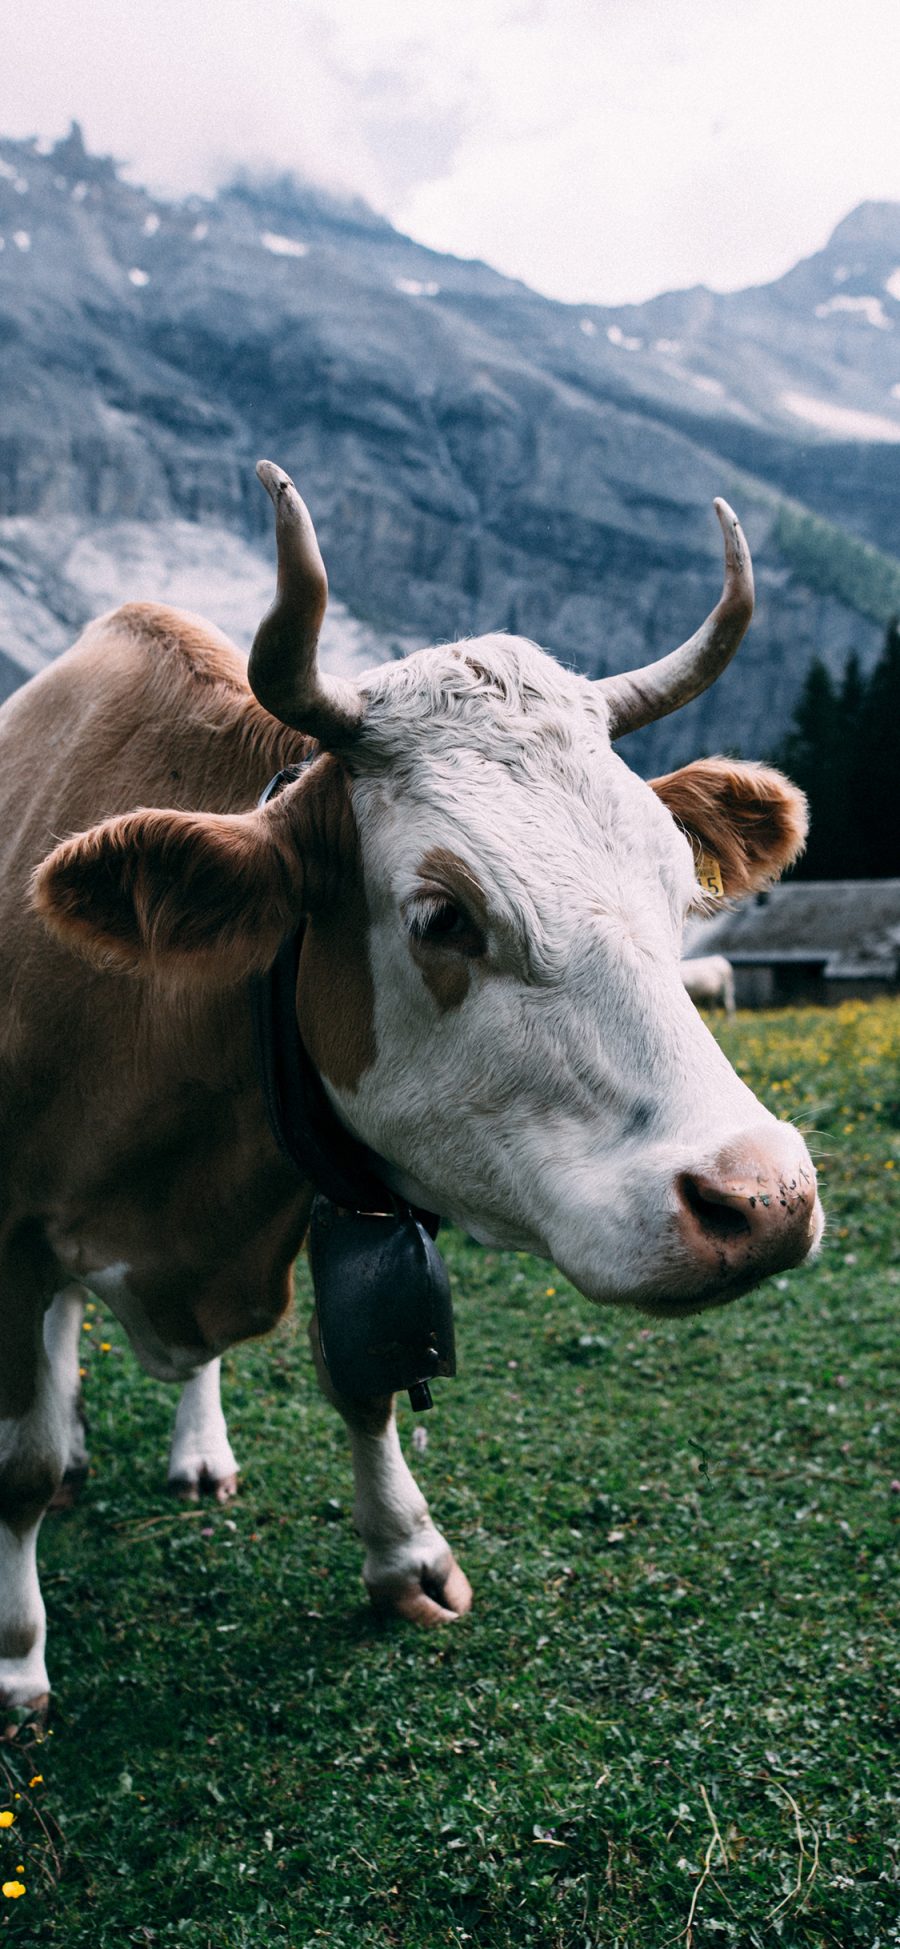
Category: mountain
<point>475,456</point>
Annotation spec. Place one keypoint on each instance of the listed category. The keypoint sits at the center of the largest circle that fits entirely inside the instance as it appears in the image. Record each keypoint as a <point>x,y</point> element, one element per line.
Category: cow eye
<point>438,921</point>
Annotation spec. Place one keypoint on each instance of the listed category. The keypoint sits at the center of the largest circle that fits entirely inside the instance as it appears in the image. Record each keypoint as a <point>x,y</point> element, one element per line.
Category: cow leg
<point>408,1566</point>
<point>34,1449</point>
<point>62,1338</point>
<point>201,1458</point>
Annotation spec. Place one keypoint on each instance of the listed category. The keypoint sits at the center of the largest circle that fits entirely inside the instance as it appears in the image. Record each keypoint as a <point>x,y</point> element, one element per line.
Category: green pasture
<point>672,1716</point>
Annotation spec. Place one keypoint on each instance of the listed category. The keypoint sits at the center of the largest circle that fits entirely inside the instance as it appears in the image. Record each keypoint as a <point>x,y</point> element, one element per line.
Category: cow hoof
<point>69,1490</point>
<point>19,1721</point>
<point>190,1488</point>
<point>435,1594</point>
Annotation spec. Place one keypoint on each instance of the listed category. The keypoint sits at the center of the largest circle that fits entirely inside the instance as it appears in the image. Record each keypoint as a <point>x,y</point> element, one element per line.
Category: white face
<point>540,1076</point>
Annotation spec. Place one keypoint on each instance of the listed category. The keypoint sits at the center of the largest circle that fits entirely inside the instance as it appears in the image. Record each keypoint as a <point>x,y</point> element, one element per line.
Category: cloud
<point>641,147</point>
<point>183,91</point>
<point>600,149</point>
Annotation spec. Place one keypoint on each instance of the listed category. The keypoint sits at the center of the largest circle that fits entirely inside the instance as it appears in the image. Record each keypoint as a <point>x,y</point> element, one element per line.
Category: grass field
<point>672,1716</point>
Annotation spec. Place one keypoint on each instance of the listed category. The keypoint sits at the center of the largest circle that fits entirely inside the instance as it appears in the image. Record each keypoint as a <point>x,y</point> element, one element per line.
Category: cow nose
<point>754,1206</point>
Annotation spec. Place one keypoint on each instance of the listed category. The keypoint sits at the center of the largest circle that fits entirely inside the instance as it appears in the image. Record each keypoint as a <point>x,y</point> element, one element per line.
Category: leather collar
<point>385,1317</point>
<point>300,1115</point>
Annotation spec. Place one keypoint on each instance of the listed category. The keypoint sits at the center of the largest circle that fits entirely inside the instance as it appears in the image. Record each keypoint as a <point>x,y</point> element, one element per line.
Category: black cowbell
<point>383,1302</point>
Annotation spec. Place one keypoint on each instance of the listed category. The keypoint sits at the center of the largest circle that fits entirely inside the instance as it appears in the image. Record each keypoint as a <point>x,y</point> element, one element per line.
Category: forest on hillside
<point>843,749</point>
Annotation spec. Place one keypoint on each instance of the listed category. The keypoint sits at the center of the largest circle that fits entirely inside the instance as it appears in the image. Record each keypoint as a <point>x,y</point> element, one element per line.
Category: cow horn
<point>639,697</point>
<point>284,672</point>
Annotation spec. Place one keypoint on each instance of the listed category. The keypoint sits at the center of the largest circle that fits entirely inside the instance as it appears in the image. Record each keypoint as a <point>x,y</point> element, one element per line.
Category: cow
<point>487,904</point>
<point>710,980</point>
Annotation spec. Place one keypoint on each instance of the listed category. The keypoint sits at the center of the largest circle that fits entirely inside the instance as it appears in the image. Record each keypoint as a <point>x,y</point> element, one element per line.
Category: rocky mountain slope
<point>475,456</point>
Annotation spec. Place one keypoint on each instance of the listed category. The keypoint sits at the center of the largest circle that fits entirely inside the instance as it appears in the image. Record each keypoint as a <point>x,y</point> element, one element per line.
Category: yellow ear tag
<point>709,874</point>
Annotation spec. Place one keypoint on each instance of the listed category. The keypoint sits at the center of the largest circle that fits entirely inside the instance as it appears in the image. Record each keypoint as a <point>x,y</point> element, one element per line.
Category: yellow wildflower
<point>38,1780</point>
<point>13,1889</point>
<point>6,1818</point>
<point>105,1346</point>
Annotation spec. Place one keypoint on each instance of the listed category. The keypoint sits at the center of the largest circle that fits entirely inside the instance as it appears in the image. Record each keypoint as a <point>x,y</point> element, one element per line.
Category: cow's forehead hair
<point>498,694</point>
<point>506,758</point>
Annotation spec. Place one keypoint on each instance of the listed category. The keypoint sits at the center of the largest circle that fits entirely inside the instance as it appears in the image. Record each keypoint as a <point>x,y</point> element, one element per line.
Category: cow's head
<point>490,982</point>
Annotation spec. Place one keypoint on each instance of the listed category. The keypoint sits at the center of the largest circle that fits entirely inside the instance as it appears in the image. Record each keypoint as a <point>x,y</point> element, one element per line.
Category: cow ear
<point>196,893</point>
<point>747,818</point>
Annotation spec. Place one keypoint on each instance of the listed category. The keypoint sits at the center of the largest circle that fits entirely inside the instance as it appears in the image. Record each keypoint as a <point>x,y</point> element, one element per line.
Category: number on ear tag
<point>709,874</point>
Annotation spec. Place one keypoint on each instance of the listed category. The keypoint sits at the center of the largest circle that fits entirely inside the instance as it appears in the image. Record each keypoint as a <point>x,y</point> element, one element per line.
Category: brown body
<point>172,1170</point>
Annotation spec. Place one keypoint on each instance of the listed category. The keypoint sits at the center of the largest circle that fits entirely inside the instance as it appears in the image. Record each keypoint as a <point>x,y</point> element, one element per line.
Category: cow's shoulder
<point>146,634</point>
<point>164,660</point>
<point>151,706</point>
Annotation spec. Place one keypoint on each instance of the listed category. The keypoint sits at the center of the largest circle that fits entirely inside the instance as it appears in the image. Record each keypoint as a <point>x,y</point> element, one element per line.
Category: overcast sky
<point>601,149</point>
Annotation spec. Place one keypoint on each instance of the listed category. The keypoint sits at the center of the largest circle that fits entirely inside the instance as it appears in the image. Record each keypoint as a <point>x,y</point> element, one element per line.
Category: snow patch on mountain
<point>622,339</point>
<point>845,422</point>
<point>869,308</point>
<point>283,246</point>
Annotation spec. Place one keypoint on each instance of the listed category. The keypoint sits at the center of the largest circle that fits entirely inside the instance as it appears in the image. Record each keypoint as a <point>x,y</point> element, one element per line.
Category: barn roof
<point>850,928</point>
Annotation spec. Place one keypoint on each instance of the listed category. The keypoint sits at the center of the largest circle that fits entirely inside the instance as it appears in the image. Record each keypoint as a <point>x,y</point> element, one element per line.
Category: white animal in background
<point>709,981</point>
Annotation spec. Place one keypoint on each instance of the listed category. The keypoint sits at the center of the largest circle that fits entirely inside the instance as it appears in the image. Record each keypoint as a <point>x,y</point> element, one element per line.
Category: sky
<point>602,150</point>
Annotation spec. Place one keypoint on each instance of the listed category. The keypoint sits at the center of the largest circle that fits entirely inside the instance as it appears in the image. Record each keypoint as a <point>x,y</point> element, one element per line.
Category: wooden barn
<point>807,941</point>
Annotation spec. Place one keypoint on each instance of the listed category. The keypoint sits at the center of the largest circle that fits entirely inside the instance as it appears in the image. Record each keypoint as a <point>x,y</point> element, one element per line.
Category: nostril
<point>717,1218</point>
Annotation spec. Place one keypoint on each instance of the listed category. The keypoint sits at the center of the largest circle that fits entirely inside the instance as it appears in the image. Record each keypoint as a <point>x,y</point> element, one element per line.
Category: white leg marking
<point>408,1565</point>
<point>33,1451</point>
<point>62,1336</point>
<point>23,1622</point>
<point>201,1455</point>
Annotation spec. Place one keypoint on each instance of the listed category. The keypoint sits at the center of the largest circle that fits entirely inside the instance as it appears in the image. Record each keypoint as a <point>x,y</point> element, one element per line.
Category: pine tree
<point>853,690</point>
<point>848,862</point>
<point>875,773</point>
<point>843,749</point>
<point>811,756</point>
